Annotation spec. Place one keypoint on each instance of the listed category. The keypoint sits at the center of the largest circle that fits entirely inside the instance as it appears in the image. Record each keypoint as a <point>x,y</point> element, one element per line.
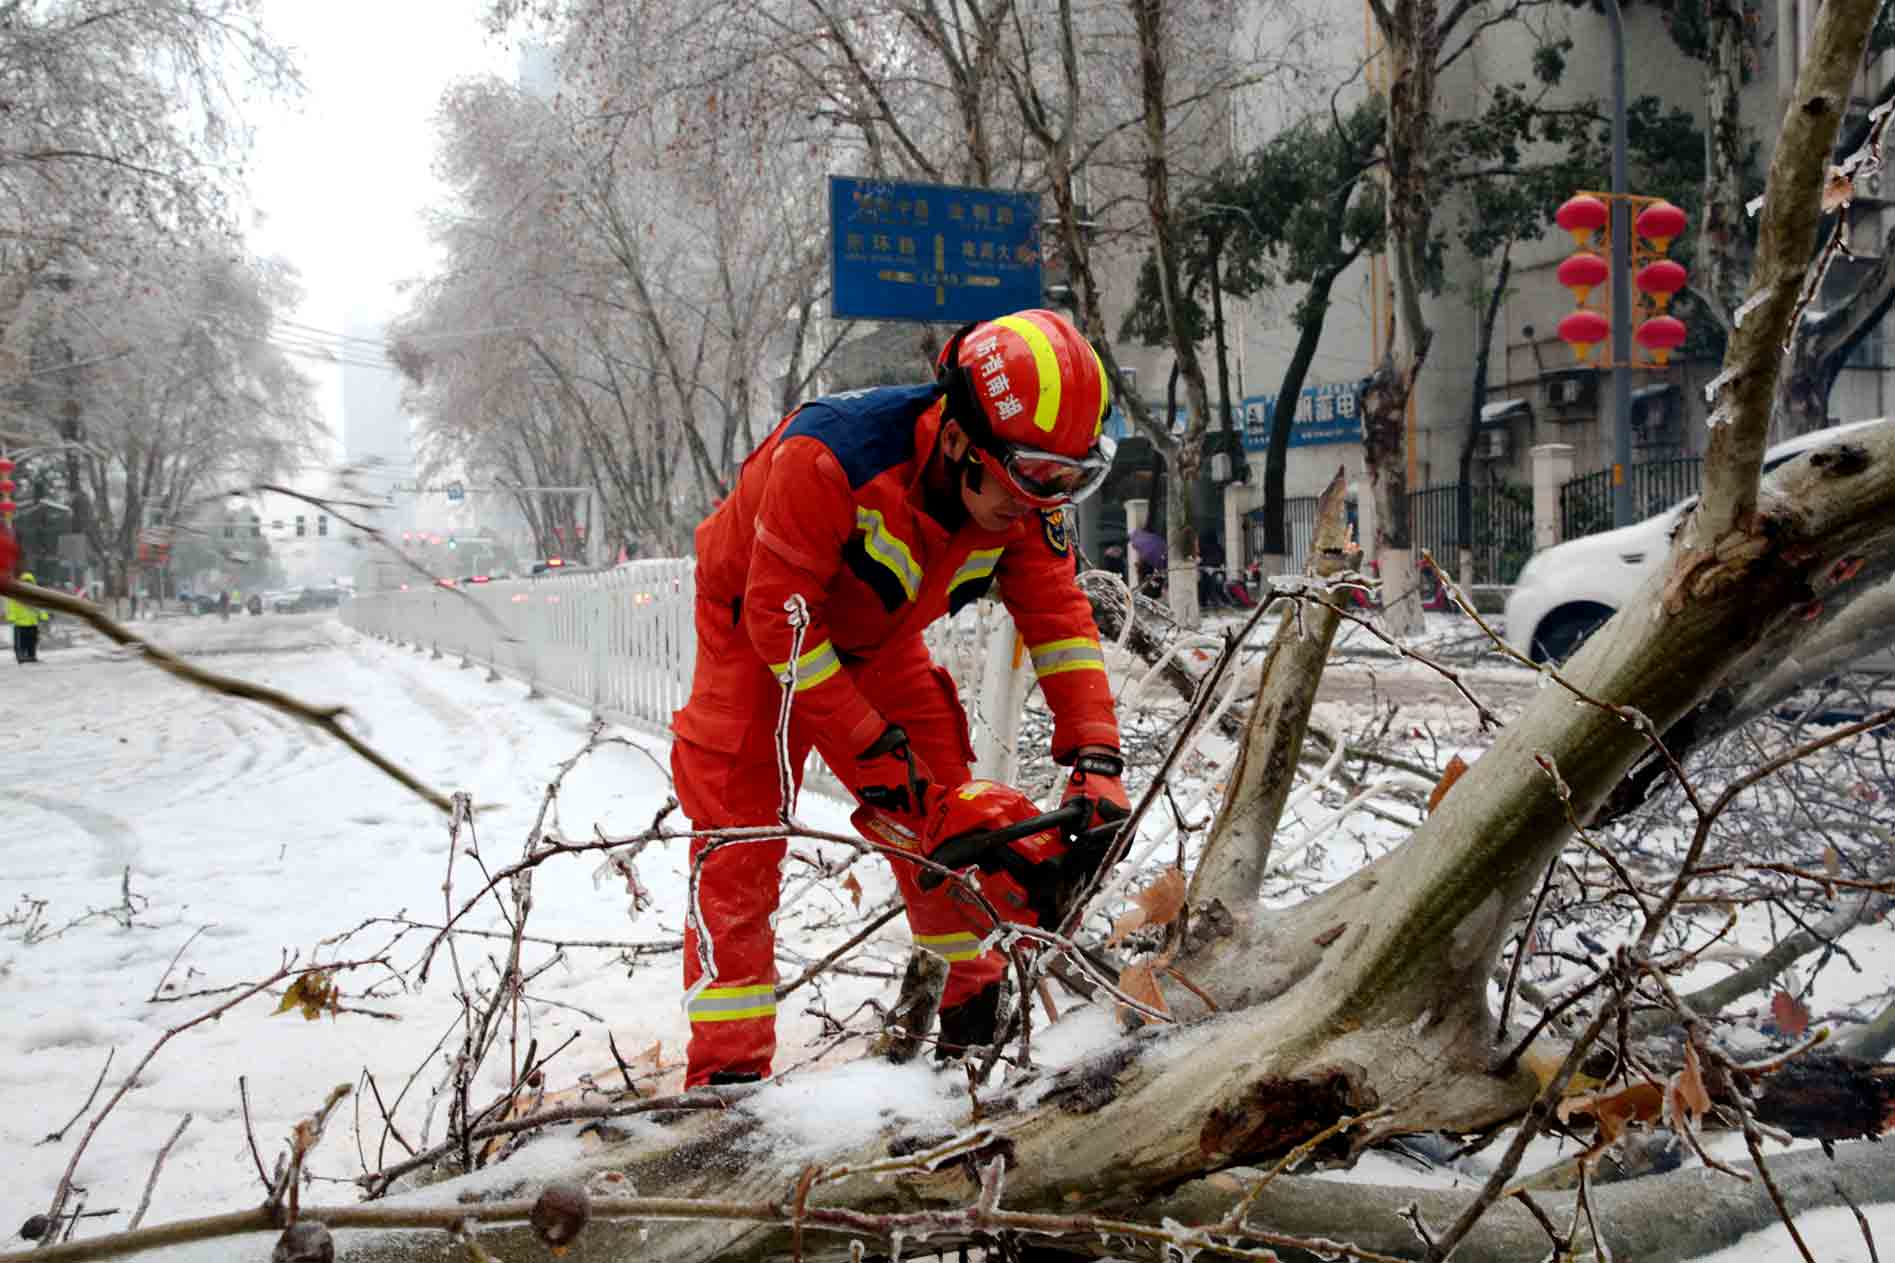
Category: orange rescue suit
<point>831,508</point>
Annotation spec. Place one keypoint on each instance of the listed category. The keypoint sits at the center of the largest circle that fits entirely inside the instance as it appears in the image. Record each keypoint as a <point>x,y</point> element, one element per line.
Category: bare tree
<point>160,387</point>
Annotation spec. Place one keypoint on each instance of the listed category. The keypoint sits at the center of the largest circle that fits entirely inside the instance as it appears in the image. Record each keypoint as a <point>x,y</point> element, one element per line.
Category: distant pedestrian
<point>1150,549</point>
<point>223,604</point>
<point>26,620</point>
<point>1211,593</point>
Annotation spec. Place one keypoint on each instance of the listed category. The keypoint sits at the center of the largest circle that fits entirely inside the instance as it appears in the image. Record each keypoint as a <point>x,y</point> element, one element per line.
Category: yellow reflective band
<point>952,948</point>
<point>1045,367</point>
<point>731,1004</point>
<point>1081,653</point>
<point>1105,393</point>
<point>979,564</point>
<point>888,550</point>
<point>812,668</point>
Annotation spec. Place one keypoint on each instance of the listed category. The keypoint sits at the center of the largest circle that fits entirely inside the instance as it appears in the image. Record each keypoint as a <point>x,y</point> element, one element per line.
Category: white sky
<point>340,178</point>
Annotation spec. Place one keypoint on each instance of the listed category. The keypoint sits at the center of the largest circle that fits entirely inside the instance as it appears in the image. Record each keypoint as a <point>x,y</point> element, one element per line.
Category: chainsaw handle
<point>967,848</point>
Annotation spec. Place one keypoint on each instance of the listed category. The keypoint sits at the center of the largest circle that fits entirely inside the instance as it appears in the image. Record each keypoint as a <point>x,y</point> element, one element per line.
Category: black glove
<point>1099,776</point>
<point>889,776</point>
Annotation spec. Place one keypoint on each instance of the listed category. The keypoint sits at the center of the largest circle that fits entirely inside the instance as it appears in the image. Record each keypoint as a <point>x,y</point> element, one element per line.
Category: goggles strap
<point>958,386</point>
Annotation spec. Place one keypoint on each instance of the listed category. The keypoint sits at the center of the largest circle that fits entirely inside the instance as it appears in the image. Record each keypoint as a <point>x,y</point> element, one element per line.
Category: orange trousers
<point>725,775</point>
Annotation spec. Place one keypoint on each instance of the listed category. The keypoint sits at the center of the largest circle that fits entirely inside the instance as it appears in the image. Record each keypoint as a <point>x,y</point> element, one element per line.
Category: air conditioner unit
<point>1571,389</point>
<point>1494,444</point>
<point>1870,185</point>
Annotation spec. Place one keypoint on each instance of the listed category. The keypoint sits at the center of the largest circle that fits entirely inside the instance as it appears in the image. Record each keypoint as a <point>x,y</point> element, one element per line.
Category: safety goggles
<point>1047,480</point>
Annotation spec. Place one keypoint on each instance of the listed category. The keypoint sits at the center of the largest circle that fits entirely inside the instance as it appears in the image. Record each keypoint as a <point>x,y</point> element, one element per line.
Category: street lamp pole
<point>1621,284</point>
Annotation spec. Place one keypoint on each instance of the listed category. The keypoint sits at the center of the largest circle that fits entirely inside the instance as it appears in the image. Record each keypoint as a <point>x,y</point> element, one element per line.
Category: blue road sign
<point>455,492</point>
<point>931,251</point>
<point>1324,414</point>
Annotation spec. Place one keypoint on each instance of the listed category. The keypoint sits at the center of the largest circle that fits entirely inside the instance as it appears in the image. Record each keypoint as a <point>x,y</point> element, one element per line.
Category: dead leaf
<point>1140,982</point>
<point>1157,904</point>
<point>1635,1103</point>
<point>1838,189</point>
<point>854,887</point>
<point>1832,862</point>
<point>312,993</point>
<point>1685,1096</point>
<point>1452,773</point>
<point>1790,1014</point>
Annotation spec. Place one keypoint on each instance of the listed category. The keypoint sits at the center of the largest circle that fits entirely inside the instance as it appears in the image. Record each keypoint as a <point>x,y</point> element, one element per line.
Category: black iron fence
<point>1299,525</point>
<point>1585,502</point>
<point>1502,529</point>
<point>1501,536</point>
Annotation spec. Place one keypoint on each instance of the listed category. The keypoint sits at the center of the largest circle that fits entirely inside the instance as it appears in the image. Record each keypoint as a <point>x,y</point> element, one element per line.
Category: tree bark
<point>1822,344</point>
<point>1483,356</point>
<point>1231,867</point>
<point>1410,35</point>
<point>1747,386</point>
<point>1186,457</point>
<point>1721,240</point>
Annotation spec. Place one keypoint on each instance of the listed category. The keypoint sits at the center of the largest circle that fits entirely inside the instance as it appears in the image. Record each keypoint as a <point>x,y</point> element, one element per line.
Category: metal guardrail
<point>619,641</point>
<point>622,642</point>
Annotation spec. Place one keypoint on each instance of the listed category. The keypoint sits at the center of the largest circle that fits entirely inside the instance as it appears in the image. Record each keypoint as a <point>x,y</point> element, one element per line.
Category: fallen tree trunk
<point>1665,1218</point>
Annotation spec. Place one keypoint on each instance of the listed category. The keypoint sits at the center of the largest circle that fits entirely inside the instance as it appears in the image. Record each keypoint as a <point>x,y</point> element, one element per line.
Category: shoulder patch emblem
<point>1053,523</point>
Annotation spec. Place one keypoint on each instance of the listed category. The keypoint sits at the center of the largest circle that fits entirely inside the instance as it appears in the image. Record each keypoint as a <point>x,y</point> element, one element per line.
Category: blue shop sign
<point>934,252</point>
<point>1324,414</point>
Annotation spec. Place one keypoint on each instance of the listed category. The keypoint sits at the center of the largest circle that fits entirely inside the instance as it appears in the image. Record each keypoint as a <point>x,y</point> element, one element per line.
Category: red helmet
<point>1030,392</point>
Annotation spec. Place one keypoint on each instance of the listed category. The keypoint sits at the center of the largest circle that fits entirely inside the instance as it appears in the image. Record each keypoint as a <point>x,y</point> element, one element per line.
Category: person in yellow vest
<point>26,620</point>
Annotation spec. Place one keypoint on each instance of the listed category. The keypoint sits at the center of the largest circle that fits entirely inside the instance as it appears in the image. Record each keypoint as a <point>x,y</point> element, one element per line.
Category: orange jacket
<point>830,506</point>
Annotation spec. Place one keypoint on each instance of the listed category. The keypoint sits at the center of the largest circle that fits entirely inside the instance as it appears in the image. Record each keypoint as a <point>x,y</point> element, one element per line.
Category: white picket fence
<point>622,642</point>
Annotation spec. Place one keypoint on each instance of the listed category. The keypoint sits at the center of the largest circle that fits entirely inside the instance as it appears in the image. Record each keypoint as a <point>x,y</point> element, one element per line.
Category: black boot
<point>729,1078</point>
<point>975,1022</point>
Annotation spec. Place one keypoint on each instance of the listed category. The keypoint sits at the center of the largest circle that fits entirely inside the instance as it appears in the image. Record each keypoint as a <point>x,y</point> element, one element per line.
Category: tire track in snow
<point>118,840</point>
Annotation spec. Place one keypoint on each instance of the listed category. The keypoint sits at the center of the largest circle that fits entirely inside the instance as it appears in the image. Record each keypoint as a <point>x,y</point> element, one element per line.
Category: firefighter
<point>882,510</point>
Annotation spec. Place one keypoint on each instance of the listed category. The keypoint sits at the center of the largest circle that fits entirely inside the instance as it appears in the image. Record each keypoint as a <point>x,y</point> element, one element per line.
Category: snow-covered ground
<point>241,837</point>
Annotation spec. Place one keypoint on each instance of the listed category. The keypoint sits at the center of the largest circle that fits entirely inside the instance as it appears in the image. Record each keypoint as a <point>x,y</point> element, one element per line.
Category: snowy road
<point>241,836</point>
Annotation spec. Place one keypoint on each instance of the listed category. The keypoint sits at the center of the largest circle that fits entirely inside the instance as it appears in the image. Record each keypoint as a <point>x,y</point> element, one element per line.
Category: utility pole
<point>1621,229</point>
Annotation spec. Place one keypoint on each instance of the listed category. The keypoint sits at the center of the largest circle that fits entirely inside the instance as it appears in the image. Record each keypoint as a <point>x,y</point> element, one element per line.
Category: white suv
<point>1568,591</point>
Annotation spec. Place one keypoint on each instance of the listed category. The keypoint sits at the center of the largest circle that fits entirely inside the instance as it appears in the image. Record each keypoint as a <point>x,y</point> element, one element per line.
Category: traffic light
<point>301,528</point>
<point>450,542</point>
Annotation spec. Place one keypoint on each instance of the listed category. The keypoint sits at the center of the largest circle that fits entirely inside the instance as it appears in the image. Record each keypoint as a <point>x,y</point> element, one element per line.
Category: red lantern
<point>1661,278</point>
<point>6,486</point>
<point>1581,272</point>
<point>1582,215</point>
<point>9,552</point>
<point>1661,335</point>
<point>7,507</point>
<point>1584,329</point>
<point>1661,222</point>
<point>6,466</point>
